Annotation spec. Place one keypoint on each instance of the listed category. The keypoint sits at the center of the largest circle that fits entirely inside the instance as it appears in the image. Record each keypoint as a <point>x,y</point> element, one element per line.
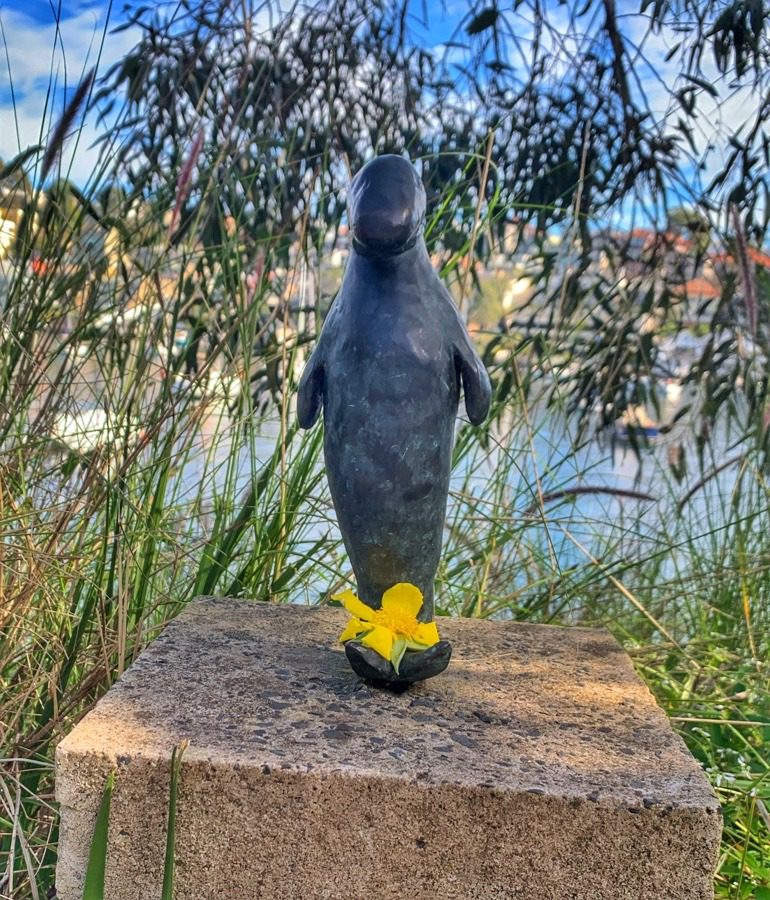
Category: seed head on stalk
<point>63,126</point>
<point>184,181</point>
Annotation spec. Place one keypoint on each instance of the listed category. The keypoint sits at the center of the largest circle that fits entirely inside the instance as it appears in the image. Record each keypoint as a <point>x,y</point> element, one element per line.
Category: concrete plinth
<point>537,766</point>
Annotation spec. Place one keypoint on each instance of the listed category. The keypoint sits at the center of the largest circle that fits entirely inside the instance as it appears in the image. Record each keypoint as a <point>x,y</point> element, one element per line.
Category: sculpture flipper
<point>310,393</point>
<point>415,666</point>
<point>477,389</point>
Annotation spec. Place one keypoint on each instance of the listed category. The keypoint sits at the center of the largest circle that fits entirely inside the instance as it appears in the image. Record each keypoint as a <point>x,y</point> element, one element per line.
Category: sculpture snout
<point>386,206</point>
<point>384,228</point>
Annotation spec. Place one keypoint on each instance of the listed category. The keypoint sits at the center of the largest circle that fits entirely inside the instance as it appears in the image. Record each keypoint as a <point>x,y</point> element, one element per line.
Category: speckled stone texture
<point>537,766</point>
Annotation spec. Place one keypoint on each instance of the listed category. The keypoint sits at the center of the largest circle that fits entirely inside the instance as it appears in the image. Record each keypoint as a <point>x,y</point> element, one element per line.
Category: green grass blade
<point>97,855</point>
<point>168,866</point>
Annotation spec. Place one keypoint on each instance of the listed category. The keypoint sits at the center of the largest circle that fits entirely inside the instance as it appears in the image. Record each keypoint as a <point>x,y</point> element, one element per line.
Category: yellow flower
<point>393,629</point>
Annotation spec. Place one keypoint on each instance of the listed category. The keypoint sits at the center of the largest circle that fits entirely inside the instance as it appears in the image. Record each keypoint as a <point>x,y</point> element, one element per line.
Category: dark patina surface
<point>387,371</point>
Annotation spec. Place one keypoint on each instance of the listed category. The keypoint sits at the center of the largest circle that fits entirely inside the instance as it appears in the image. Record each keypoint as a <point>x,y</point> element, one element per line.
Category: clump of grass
<point>136,473</point>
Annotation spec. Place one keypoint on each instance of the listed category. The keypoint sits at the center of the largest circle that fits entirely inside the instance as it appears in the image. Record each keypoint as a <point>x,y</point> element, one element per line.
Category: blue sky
<point>48,63</point>
<point>36,49</point>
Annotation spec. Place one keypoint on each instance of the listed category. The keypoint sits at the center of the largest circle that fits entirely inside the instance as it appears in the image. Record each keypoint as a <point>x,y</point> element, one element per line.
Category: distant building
<point>697,290</point>
<point>13,204</point>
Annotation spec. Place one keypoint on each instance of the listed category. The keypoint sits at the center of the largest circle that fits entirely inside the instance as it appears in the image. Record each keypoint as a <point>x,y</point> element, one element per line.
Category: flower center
<point>398,622</point>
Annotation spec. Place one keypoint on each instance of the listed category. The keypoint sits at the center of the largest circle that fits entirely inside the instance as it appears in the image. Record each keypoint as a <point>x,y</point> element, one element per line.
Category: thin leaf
<point>97,856</point>
<point>397,654</point>
<point>18,161</point>
<point>485,19</point>
<point>168,867</point>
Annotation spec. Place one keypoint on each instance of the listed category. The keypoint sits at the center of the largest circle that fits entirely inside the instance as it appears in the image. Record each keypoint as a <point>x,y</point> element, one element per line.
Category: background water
<point>541,454</point>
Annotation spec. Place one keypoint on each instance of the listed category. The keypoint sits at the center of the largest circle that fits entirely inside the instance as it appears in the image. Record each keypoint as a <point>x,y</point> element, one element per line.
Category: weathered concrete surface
<point>537,766</point>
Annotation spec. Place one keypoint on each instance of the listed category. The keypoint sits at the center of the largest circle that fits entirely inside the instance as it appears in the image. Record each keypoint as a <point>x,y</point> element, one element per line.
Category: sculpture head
<point>386,207</point>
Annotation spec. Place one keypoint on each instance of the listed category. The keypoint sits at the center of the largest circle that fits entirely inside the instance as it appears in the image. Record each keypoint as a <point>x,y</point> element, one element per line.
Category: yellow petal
<point>402,597</point>
<point>354,606</point>
<point>353,629</point>
<point>380,639</point>
<point>427,634</point>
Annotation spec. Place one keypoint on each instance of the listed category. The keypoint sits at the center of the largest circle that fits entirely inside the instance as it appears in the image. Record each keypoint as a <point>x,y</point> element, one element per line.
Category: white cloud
<point>45,67</point>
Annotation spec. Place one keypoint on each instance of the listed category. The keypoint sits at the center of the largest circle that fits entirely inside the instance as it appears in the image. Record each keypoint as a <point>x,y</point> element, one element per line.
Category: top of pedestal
<point>525,708</point>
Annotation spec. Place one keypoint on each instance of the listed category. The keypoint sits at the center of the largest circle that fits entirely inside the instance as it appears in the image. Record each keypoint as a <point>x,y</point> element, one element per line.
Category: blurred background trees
<point>576,122</point>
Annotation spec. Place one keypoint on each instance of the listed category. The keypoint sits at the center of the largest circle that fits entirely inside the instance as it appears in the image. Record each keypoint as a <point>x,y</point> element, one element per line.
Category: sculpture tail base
<point>417,665</point>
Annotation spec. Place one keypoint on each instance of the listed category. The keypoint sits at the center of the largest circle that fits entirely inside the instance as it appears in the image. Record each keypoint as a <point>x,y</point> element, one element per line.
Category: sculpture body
<point>387,371</point>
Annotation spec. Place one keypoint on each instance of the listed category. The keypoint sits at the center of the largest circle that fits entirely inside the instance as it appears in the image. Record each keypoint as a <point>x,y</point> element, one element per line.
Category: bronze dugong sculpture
<point>387,371</point>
